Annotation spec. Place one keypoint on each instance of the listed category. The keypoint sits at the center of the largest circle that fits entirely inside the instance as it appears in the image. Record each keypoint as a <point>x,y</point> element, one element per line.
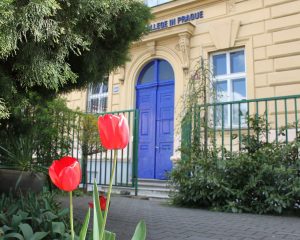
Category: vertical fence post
<point>267,120</point>
<point>248,120</point>
<point>135,150</point>
<point>276,121</point>
<point>256,118</point>
<point>231,128</point>
<point>128,148</point>
<point>286,121</point>
<point>215,126</point>
<point>296,117</point>
<point>205,129</point>
<point>222,106</point>
<point>240,131</point>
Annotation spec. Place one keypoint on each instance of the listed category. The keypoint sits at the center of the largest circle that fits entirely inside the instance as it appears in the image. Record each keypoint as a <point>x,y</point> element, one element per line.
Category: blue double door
<point>155,101</point>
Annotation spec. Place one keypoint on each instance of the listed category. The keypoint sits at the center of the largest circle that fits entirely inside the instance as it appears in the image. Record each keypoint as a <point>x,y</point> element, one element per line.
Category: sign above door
<point>175,21</point>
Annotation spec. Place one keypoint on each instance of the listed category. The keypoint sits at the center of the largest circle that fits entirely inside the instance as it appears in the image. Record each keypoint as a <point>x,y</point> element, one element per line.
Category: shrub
<point>262,178</point>
<point>33,217</point>
<point>38,129</point>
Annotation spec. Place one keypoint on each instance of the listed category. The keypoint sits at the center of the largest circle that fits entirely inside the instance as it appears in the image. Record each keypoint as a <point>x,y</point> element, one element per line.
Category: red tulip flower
<point>113,131</point>
<point>65,173</point>
<point>102,200</point>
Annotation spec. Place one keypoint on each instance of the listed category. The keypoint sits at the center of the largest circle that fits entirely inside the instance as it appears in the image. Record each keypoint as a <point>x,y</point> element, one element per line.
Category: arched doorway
<point>155,101</point>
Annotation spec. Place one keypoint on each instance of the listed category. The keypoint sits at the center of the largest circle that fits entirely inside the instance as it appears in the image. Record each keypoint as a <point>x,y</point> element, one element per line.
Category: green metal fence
<point>225,125</point>
<point>57,131</point>
<point>97,162</point>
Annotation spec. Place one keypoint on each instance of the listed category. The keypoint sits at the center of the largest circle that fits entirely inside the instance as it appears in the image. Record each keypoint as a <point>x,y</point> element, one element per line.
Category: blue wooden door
<point>155,101</point>
<point>164,130</point>
<point>146,152</point>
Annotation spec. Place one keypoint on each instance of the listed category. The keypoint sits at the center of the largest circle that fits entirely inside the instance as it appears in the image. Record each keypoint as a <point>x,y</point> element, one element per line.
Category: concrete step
<point>149,180</point>
<point>147,189</point>
<point>143,184</point>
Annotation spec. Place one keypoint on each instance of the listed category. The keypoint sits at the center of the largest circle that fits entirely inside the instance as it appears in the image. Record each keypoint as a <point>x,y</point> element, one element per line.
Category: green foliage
<point>51,45</point>
<point>3,110</point>
<point>199,91</point>
<point>84,229</point>
<point>38,132</point>
<point>33,217</point>
<point>262,178</point>
<point>140,231</point>
<point>90,135</point>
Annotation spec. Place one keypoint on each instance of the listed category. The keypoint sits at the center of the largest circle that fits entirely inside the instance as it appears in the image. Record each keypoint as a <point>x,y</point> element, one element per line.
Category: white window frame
<point>101,97</point>
<point>229,78</point>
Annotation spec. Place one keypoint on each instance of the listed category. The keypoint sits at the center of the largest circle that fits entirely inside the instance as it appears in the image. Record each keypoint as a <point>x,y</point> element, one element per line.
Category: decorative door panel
<point>147,105</point>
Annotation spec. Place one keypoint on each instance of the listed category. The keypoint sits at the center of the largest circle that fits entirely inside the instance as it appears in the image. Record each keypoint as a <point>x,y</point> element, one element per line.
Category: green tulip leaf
<point>58,227</point>
<point>98,218</point>
<point>23,214</point>
<point>49,215</point>
<point>12,210</point>
<point>109,235</point>
<point>140,231</point>
<point>63,212</point>
<point>39,235</point>
<point>84,228</point>
<point>26,230</point>
<point>3,218</point>
<point>37,220</point>
<point>6,228</point>
<point>16,220</point>
<point>19,181</point>
<point>14,235</point>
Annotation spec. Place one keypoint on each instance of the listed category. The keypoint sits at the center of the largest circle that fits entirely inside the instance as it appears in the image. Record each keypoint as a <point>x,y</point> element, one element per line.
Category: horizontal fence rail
<point>227,125</point>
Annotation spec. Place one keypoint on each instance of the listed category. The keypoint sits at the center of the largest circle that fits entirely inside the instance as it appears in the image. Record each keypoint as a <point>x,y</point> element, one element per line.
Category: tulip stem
<point>109,193</point>
<point>71,216</point>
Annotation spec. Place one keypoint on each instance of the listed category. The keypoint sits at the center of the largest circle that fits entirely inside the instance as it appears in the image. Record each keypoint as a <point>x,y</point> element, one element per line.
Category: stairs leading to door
<point>147,188</point>
<point>153,188</point>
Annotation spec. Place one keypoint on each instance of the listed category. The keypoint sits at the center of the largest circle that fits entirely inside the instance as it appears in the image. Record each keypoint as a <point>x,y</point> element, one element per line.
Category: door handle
<point>156,147</point>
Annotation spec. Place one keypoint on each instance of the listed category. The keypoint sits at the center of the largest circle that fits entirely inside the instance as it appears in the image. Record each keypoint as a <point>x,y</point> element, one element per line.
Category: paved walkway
<point>172,223</point>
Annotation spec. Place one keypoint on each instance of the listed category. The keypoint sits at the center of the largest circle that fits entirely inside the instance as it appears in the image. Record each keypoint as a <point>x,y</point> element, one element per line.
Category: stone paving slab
<point>166,222</point>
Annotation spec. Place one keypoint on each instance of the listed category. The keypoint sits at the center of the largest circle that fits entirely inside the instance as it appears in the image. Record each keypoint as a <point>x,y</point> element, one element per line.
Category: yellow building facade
<point>253,47</point>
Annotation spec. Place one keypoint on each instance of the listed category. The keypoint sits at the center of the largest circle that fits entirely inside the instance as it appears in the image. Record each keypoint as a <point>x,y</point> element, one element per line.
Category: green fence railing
<point>225,125</point>
<point>58,131</point>
<point>97,162</point>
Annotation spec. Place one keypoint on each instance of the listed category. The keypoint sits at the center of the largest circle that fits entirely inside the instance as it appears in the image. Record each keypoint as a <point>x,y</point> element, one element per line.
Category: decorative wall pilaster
<point>184,48</point>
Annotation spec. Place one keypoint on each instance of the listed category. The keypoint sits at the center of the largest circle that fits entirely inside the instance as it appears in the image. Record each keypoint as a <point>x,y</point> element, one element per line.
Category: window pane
<point>103,104</point>
<point>239,89</point>
<point>94,105</point>
<point>95,88</point>
<point>147,74</point>
<point>104,88</point>
<point>165,71</point>
<point>239,111</point>
<point>219,64</point>
<point>221,91</point>
<point>222,96</point>
<point>239,93</point>
<point>97,98</point>
<point>151,3</point>
<point>237,62</point>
